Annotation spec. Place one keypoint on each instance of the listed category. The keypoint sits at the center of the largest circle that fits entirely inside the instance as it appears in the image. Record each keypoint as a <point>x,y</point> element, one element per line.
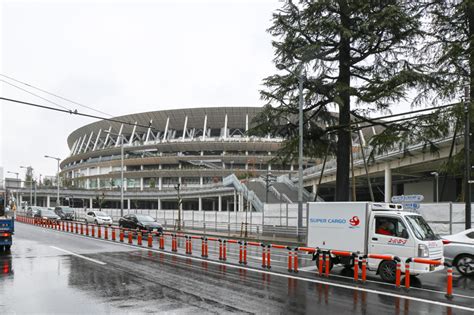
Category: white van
<point>373,228</point>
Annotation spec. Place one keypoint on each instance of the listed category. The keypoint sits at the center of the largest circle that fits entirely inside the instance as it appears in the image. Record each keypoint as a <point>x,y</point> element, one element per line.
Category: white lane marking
<point>77,255</point>
<point>339,285</point>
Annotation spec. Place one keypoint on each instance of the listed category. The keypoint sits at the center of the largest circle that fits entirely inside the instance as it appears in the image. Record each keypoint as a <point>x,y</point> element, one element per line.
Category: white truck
<point>373,228</point>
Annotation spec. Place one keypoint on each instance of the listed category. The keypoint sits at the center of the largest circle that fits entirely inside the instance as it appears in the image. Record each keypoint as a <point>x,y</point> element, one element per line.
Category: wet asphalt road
<point>43,274</point>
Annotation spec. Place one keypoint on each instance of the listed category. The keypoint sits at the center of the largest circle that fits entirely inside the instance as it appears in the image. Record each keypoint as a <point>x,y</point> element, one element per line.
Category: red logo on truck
<point>354,221</point>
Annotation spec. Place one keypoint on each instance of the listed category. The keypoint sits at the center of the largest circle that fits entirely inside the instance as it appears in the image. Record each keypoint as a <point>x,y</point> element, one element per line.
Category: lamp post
<point>299,74</point>
<point>16,198</point>
<point>436,175</point>
<point>121,169</point>
<point>467,158</point>
<point>29,170</point>
<point>57,177</point>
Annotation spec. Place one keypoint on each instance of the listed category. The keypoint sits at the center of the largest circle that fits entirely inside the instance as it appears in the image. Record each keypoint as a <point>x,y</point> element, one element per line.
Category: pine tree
<point>356,56</point>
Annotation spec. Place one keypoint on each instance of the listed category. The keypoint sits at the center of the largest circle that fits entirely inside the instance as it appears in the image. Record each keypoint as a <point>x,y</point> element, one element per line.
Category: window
<point>90,213</point>
<point>390,226</point>
<point>470,235</point>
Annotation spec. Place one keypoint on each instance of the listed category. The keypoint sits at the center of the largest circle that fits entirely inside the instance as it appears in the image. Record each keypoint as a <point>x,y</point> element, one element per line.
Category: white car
<point>98,217</point>
<point>459,250</point>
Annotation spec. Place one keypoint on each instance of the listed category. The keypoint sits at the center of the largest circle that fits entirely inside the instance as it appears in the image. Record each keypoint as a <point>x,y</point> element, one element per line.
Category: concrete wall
<point>425,188</point>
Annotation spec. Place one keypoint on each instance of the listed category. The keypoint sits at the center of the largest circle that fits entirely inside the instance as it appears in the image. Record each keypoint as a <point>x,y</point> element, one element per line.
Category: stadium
<point>193,148</point>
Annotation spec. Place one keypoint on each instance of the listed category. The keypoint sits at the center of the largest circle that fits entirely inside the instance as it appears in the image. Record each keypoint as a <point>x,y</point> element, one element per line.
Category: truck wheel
<point>387,271</point>
<point>465,265</point>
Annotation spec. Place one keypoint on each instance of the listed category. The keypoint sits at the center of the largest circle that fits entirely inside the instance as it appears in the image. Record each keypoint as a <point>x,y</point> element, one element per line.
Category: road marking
<point>77,255</point>
<point>339,285</point>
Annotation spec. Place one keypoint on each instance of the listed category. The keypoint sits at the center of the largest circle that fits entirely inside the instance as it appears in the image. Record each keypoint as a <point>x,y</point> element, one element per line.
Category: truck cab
<point>404,234</point>
<point>366,228</point>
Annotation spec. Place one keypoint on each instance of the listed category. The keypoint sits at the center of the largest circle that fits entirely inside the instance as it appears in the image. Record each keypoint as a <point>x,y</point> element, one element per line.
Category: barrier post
<point>186,239</point>
<point>328,263</point>
<point>67,226</point>
<point>220,249</point>
<point>130,237</point>
<point>449,280</point>
<point>264,256</point>
<point>407,273</point>
<point>268,257</point>
<point>162,241</point>
<point>295,260</point>
<point>150,239</point>
<point>106,232</point>
<point>82,229</point>
<point>398,272</point>
<point>77,229</point>
<point>174,246</point>
<point>224,251</point>
<point>356,267</point>
<point>320,262</point>
<point>139,238</point>
<point>290,259</point>
<point>245,252</point>
<point>240,253</point>
<point>99,231</point>
<point>121,235</point>
<point>87,230</point>
<point>113,234</point>
<point>190,245</point>
<point>93,230</point>
<point>364,268</point>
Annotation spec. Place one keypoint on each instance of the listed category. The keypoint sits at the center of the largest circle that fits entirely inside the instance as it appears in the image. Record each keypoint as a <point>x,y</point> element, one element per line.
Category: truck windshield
<point>421,229</point>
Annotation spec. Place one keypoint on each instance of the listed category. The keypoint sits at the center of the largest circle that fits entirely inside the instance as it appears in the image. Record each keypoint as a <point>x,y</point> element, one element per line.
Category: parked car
<point>31,211</point>
<point>141,222</point>
<point>65,213</point>
<point>459,250</point>
<point>44,213</point>
<point>98,217</point>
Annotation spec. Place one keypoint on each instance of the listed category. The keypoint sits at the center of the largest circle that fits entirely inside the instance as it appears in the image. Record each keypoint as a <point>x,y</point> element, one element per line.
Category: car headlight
<point>423,251</point>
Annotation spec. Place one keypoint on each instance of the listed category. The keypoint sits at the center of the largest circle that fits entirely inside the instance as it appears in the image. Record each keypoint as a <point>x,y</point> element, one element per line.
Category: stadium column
<point>48,201</point>
<point>200,203</point>
<point>219,206</point>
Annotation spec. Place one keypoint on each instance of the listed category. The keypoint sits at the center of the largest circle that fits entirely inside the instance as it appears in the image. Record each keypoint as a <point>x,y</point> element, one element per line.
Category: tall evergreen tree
<point>355,56</point>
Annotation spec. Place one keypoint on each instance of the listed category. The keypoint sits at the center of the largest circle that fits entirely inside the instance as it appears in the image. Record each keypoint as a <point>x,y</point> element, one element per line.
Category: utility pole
<point>467,158</point>
<point>177,187</point>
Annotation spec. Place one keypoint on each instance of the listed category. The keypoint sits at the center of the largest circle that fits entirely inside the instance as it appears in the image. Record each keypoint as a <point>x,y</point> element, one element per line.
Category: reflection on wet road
<point>40,276</point>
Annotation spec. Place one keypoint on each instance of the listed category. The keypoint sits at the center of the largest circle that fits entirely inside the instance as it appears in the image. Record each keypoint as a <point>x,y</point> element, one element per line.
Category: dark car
<point>140,222</point>
<point>44,213</point>
<point>65,213</point>
<point>31,211</point>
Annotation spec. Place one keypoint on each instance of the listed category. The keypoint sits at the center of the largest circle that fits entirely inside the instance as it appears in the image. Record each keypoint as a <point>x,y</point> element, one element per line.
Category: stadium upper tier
<point>193,146</point>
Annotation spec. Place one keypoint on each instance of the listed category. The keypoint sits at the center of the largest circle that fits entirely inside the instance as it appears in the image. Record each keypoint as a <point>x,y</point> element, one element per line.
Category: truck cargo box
<point>338,226</point>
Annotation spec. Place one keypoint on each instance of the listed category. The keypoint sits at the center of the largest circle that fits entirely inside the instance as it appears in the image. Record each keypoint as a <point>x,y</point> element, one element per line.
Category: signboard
<point>409,202</point>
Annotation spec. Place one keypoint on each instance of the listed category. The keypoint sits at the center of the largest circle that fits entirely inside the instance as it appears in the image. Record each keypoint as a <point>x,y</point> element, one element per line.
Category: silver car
<point>459,250</point>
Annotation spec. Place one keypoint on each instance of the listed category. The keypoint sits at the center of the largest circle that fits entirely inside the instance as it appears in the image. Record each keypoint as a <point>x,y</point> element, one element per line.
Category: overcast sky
<point>123,57</point>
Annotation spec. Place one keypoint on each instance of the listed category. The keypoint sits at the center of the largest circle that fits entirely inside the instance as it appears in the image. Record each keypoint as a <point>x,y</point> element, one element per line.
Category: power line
<point>55,95</point>
<point>44,99</point>
<point>74,112</point>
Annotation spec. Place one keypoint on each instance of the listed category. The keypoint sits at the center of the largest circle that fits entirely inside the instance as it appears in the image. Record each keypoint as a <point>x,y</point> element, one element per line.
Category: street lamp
<point>57,177</point>
<point>28,169</point>
<point>178,188</point>
<point>299,74</point>
<point>436,175</point>
<point>121,168</point>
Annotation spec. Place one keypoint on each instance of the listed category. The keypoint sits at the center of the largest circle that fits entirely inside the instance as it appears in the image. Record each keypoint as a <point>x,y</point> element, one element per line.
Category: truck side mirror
<point>404,233</point>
